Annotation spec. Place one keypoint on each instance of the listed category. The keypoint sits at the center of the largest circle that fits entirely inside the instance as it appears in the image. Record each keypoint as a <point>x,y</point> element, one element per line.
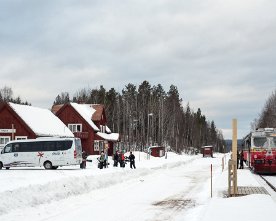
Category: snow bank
<point>80,181</point>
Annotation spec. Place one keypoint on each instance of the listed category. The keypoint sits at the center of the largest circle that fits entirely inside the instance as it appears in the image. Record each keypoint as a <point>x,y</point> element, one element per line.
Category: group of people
<point>121,159</point>
<point>103,160</point>
<point>240,159</point>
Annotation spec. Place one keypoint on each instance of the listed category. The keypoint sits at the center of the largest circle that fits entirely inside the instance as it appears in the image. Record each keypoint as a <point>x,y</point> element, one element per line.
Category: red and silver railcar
<point>260,149</point>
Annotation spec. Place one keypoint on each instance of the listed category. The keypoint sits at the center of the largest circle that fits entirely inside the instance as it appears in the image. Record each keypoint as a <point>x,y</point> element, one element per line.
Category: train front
<point>263,151</point>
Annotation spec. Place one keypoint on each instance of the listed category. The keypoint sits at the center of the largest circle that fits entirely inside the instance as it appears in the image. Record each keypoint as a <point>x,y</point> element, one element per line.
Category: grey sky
<point>220,54</point>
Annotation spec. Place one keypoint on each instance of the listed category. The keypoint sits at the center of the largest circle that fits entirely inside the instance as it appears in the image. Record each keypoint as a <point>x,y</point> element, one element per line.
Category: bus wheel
<point>7,168</point>
<point>48,165</point>
<point>1,166</point>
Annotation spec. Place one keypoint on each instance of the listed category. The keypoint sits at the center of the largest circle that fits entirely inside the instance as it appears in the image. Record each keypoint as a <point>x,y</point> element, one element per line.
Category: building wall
<point>9,117</point>
<point>68,115</point>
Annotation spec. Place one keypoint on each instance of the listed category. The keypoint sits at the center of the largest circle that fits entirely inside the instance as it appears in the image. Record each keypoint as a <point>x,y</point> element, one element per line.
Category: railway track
<point>268,183</point>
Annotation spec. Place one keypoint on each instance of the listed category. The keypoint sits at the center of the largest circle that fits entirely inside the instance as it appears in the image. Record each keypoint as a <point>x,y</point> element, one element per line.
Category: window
<point>21,137</point>
<point>96,145</point>
<point>259,141</point>
<point>75,127</point>
<point>8,148</point>
<point>4,140</point>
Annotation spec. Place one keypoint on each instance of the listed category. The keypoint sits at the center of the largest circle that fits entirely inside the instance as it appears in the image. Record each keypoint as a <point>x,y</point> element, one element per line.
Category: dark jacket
<point>116,157</point>
<point>84,155</point>
<point>131,158</point>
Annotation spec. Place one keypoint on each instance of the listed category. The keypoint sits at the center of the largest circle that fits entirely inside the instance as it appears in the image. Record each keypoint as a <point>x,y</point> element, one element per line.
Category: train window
<point>272,142</point>
<point>259,141</point>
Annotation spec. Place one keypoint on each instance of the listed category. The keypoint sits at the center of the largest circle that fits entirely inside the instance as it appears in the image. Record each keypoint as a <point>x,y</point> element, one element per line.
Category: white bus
<point>48,152</point>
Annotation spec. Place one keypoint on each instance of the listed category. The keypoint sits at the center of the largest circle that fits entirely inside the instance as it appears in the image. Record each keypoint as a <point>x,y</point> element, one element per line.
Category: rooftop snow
<point>42,121</point>
<point>110,137</point>
<point>86,111</point>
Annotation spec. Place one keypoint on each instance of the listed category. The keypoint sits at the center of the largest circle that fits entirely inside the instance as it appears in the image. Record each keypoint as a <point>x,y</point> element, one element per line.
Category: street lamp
<point>150,114</point>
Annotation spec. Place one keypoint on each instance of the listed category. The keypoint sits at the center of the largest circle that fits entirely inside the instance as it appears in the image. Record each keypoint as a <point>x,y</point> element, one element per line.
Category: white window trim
<point>96,145</point>
<point>2,145</point>
<point>71,126</point>
<point>21,137</point>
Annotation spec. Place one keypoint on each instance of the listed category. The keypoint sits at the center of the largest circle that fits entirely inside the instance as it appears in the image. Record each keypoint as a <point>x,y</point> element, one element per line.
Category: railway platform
<point>248,190</point>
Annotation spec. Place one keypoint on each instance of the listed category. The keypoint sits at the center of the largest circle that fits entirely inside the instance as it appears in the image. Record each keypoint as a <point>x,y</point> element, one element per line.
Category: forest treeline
<point>267,117</point>
<point>147,114</point>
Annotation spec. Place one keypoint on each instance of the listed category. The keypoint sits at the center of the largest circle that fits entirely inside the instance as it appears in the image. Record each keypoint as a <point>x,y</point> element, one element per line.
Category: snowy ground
<point>176,188</point>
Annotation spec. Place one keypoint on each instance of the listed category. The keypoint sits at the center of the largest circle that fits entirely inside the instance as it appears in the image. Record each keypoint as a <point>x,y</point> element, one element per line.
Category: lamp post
<point>150,114</point>
<point>135,122</point>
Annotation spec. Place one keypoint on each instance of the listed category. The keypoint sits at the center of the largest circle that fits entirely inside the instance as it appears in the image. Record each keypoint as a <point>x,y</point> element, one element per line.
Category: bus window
<point>15,147</point>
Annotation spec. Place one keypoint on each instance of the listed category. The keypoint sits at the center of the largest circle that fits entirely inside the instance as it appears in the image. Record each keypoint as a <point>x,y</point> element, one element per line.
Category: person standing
<point>132,160</point>
<point>116,159</point>
<point>83,163</point>
<point>101,160</point>
<point>241,159</point>
<point>238,159</point>
<point>105,160</point>
<point>122,159</point>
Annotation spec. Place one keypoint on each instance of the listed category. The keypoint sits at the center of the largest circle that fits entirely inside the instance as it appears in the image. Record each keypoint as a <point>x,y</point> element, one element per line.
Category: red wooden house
<point>88,122</point>
<point>19,122</point>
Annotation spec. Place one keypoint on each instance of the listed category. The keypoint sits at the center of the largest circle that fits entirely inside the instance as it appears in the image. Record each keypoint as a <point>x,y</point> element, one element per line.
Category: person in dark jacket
<point>101,160</point>
<point>238,159</point>
<point>132,160</point>
<point>116,159</point>
<point>84,157</point>
<point>241,159</point>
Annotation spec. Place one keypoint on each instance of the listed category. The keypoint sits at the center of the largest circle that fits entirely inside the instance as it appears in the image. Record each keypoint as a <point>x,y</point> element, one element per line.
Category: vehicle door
<point>11,156</point>
<point>7,155</point>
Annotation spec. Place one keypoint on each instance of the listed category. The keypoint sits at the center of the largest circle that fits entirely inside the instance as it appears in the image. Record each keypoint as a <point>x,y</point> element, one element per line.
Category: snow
<point>110,137</point>
<point>42,121</point>
<point>176,188</point>
<point>86,111</point>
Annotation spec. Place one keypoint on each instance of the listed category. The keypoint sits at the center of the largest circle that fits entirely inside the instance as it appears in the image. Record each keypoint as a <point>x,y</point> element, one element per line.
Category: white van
<point>48,152</point>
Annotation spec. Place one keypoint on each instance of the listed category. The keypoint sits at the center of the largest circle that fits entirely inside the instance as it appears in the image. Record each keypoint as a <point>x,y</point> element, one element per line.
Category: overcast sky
<point>221,54</point>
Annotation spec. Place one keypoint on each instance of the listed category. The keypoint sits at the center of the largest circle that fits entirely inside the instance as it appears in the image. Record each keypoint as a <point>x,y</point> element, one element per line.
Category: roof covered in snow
<point>109,137</point>
<point>86,111</point>
<point>42,121</point>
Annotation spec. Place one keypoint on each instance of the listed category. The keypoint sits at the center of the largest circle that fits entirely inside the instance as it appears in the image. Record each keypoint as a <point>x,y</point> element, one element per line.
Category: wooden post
<point>234,151</point>
<point>222,163</point>
<point>12,132</point>
<point>211,180</point>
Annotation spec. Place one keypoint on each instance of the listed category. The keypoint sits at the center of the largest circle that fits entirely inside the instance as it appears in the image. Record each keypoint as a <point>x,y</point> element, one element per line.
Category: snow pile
<point>81,181</point>
<point>176,189</point>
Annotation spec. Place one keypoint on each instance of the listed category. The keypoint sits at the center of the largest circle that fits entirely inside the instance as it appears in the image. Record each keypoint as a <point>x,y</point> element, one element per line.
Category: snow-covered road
<point>157,190</point>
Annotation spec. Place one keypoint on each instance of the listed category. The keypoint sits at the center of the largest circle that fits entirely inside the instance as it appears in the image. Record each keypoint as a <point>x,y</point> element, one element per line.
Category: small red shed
<point>157,151</point>
<point>207,151</point>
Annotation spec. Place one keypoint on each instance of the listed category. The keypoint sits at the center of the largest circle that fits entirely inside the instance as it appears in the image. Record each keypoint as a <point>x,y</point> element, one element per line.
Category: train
<point>260,150</point>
